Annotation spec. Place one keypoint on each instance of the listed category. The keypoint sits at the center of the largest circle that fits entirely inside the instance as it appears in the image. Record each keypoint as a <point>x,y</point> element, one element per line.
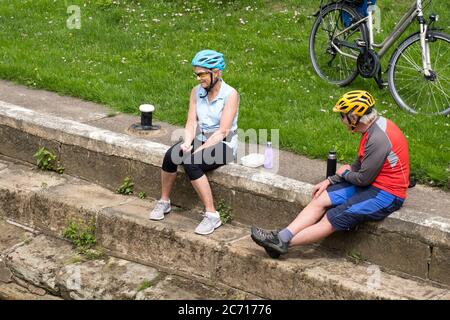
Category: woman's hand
<point>186,147</point>
<point>319,188</point>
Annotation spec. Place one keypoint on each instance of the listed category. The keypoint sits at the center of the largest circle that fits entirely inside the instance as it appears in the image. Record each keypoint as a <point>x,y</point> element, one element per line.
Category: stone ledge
<point>106,157</point>
<point>226,258</point>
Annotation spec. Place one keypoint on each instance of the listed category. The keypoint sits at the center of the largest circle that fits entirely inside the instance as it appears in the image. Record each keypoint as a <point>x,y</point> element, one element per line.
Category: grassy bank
<point>130,52</point>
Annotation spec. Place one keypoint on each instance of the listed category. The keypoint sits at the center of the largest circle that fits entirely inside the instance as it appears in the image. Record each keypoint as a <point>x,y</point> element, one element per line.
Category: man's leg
<point>314,233</point>
<point>304,229</point>
<point>278,242</point>
<point>312,213</point>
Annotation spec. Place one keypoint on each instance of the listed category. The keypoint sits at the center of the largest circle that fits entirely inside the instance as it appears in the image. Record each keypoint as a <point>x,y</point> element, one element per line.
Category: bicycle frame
<point>415,11</point>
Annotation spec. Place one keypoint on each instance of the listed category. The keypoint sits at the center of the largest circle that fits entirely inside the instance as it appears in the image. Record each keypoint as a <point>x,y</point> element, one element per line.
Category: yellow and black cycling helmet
<point>357,102</point>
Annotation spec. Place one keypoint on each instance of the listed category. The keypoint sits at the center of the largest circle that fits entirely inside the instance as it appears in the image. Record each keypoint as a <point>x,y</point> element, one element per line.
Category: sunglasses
<point>201,75</point>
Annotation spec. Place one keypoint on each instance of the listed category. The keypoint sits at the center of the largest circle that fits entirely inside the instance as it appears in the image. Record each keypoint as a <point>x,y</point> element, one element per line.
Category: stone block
<point>390,250</point>
<point>105,279</point>
<point>20,145</point>
<point>440,265</point>
<point>103,169</point>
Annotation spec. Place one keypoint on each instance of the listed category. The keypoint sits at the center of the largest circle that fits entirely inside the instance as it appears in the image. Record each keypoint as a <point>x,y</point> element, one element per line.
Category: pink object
<point>268,156</point>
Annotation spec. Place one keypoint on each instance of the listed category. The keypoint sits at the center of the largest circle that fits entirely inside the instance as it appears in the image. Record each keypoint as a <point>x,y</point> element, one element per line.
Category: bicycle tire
<point>362,34</point>
<point>414,78</point>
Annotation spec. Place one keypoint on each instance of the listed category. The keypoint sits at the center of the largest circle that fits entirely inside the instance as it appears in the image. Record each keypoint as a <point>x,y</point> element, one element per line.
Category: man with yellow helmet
<point>370,189</point>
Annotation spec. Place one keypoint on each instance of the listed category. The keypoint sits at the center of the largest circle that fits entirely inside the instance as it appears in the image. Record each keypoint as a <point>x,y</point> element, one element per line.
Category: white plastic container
<point>253,160</point>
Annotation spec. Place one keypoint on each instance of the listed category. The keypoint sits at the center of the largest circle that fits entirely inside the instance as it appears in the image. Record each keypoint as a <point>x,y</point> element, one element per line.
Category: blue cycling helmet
<point>209,59</point>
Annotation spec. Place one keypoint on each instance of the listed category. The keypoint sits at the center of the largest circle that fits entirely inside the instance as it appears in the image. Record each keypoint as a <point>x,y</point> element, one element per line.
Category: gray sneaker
<point>162,207</point>
<point>208,224</point>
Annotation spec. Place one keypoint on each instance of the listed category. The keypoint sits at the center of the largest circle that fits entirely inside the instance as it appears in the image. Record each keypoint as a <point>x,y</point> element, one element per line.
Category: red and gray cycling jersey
<point>382,160</point>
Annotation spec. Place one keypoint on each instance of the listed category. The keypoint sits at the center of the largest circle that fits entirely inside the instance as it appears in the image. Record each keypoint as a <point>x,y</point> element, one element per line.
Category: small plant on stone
<point>355,257</point>
<point>93,254</point>
<point>225,212</point>
<point>144,285</point>
<point>126,187</point>
<point>60,169</point>
<point>83,238</point>
<point>142,195</point>
<point>46,160</point>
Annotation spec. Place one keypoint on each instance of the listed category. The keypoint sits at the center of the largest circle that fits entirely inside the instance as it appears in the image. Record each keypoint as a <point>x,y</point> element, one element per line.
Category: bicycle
<point>418,71</point>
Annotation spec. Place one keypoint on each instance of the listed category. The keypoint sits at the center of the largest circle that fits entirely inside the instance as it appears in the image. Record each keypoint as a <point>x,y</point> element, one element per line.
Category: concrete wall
<point>260,198</point>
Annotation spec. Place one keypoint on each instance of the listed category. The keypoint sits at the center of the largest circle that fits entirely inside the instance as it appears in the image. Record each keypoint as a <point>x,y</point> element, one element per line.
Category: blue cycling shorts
<point>352,205</point>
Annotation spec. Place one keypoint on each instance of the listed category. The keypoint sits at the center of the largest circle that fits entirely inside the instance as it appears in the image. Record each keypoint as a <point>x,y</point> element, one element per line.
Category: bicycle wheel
<point>411,90</point>
<point>327,61</point>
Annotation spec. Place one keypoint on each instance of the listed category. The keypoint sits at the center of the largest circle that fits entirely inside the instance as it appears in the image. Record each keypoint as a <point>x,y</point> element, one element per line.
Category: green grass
<point>130,52</point>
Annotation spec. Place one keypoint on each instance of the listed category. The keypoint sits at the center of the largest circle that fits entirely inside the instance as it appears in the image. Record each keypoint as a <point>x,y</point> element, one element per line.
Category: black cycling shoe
<point>270,241</point>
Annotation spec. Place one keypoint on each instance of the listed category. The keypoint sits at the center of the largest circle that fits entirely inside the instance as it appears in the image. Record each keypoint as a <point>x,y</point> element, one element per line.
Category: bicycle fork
<point>426,60</point>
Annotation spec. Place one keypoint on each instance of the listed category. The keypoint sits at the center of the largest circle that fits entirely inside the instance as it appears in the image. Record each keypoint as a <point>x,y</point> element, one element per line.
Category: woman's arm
<point>226,121</point>
<point>191,122</point>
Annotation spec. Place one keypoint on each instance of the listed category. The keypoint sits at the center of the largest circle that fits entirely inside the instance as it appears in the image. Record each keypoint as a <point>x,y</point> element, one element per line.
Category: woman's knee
<point>172,158</point>
<point>193,171</point>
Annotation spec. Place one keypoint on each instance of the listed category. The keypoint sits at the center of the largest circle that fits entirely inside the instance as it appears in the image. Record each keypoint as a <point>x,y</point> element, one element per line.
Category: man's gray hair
<point>367,118</point>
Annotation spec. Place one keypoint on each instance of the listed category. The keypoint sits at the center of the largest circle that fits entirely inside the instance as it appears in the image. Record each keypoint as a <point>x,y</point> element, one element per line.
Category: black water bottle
<point>331,163</point>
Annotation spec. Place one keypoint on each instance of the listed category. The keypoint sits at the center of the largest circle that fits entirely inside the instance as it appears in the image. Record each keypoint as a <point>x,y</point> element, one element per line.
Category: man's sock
<point>285,235</point>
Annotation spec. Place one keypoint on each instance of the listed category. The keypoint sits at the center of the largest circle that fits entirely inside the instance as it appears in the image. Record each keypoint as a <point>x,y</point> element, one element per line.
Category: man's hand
<point>319,188</point>
<point>341,170</point>
<point>185,147</point>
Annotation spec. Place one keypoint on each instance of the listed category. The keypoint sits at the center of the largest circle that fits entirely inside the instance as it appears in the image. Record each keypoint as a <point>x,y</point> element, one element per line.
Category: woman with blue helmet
<point>210,138</point>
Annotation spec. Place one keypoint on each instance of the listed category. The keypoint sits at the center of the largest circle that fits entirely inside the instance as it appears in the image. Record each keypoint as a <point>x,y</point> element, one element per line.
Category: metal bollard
<point>146,118</point>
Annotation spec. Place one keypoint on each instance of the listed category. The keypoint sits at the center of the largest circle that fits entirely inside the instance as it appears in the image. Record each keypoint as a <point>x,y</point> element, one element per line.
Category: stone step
<point>414,240</point>
<point>41,267</point>
<point>48,202</point>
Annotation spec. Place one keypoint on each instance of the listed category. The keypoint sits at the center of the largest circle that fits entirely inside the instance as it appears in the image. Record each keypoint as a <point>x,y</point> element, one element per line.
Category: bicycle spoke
<point>408,77</point>
<point>408,85</point>
<point>439,56</point>
<point>439,87</point>
<point>446,67</point>
<point>444,78</point>
<point>406,67</point>
<point>411,61</point>
<point>445,98</point>
<point>420,94</point>
<point>434,98</point>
